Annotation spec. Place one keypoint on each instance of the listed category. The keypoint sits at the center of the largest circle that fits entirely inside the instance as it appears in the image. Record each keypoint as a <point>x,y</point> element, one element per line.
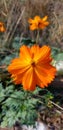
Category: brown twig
<point>56,105</point>
<point>20,17</point>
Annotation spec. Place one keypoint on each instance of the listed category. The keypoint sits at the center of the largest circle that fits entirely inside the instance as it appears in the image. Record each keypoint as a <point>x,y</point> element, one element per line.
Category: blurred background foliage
<point>15,103</point>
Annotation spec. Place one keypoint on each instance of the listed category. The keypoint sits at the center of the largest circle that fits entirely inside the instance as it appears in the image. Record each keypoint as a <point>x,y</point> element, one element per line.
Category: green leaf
<point>27,41</point>
<point>7,59</point>
<point>59,57</point>
<point>16,43</point>
<point>55,51</point>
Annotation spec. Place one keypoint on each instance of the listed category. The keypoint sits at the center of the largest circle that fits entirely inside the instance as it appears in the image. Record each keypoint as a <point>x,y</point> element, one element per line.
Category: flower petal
<point>17,65</point>
<point>25,53</point>
<point>37,18</point>
<point>2,27</point>
<point>31,21</point>
<point>44,18</point>
<point>35,50</point>
<point>29,80</point>
<point>40,54</point>
<point>33,27</point>
<point>45,75</point>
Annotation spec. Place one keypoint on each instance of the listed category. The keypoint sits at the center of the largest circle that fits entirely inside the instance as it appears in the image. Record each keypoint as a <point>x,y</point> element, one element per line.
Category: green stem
<point>37,38</point>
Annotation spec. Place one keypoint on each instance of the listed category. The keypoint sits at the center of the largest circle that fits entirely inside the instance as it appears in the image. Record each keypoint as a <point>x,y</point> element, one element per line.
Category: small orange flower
<point>33,67</point>
<point>2,28</point>
<point>38,23</point>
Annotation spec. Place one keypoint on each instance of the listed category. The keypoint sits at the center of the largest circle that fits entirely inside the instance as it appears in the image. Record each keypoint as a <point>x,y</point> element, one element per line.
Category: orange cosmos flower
<point>33,67</point>
<point>2,28</point>
<point>38,23</point>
